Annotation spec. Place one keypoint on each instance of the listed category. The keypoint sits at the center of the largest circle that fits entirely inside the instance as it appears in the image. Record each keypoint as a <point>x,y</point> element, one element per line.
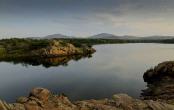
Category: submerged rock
<point>42,99</point>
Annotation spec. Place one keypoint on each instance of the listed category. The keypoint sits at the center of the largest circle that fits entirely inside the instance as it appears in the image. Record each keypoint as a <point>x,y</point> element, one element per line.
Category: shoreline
<point>43,99</point>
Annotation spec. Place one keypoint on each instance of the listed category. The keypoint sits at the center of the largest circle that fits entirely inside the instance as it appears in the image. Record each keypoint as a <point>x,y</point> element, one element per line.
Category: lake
<point>114,68</point>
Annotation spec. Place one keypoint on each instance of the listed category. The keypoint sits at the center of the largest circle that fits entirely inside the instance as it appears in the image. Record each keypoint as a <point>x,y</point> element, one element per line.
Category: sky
<point>81,18</point>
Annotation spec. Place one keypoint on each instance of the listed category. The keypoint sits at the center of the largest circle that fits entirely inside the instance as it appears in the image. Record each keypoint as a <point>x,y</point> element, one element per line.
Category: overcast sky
<point>24,18</point>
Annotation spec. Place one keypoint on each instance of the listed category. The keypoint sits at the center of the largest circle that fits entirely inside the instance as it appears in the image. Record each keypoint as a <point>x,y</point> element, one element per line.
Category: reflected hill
<point>45,62</point>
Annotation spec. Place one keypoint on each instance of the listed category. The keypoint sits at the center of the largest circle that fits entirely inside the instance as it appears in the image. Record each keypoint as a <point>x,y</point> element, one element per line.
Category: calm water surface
<point>116,68</point>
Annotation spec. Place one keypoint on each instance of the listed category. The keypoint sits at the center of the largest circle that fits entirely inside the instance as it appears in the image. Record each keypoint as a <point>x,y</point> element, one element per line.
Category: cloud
<point>86,17</point>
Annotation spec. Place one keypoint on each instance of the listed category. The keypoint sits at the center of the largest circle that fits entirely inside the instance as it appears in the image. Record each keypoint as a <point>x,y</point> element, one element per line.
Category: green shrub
<point>2,51</point>
<point>77,44</point>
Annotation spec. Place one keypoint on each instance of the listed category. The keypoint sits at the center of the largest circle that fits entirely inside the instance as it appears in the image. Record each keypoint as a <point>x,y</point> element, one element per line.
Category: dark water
<point>116,68</point>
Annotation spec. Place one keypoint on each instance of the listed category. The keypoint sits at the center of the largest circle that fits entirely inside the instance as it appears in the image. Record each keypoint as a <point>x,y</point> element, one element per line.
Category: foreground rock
<point>160,71</point>
<point>161,90</point>
<point>160,83</point>
<point>42,99</point>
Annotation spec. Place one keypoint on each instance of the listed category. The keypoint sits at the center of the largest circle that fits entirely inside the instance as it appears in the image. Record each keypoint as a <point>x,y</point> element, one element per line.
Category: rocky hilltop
<point>60,48</point>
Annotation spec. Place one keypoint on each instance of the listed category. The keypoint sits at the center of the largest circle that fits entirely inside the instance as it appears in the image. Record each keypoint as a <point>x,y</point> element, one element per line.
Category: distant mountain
<point>111,36</point>
<point>56,36</point>
<point>129,37</point>
<point>108,36</point>
<point>52,36</point>
<point>103,36</point>
<point>157,37</point>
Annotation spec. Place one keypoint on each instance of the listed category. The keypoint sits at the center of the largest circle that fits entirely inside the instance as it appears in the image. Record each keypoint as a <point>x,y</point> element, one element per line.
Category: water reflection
<point>45,62</point>
<point>116,68</point>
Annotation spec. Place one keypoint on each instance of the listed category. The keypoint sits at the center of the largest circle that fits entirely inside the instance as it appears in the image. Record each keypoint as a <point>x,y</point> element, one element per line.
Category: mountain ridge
<point>128,37</point>
<point>107,36</point>
<point>52,36</point>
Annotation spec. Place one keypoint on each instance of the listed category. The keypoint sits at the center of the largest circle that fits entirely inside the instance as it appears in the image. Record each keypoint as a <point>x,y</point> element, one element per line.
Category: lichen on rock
<point>61,48</point>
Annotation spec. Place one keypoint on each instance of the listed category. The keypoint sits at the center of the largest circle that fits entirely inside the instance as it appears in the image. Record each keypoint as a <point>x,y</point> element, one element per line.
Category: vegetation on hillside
<point>90,42</point>
<point>18,47</point>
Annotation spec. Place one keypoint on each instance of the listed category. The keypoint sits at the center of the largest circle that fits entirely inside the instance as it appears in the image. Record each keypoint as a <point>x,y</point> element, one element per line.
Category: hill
<point>127,37</point>
<point>56,36</point>
<point>111,36</point>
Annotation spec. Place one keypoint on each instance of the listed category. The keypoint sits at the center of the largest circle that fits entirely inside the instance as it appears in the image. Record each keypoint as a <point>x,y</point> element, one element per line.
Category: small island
<point>22,48</point>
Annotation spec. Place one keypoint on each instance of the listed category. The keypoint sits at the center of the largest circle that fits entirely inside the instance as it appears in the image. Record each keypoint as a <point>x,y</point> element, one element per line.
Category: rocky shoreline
<point>42,99</point>
<point>159,95</point>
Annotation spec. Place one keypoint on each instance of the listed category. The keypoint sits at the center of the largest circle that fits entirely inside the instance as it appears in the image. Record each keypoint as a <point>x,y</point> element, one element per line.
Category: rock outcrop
<point>60,48</point>
<point>42,99</point>
<point>161,90</point>
<point>26,48</point>
<point>160,83</point>
<point>160,71</point>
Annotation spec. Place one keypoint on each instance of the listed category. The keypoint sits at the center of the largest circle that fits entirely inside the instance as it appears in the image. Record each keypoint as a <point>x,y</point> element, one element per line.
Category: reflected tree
<point>45,62</point>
